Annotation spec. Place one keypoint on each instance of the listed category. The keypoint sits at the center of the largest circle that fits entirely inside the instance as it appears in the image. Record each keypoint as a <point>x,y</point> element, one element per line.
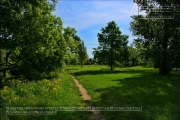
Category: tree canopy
<point>33,41</point>
<point>160,33</point>
<point>112,45</point>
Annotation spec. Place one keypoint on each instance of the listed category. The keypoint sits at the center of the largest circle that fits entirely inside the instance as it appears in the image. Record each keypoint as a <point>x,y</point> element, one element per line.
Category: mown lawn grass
<point>132,87</point>
<point>57,92</point>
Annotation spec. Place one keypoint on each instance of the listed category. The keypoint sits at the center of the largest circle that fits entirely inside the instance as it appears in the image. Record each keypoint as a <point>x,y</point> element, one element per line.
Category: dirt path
<point>96,114</point>
<point>82,90</point>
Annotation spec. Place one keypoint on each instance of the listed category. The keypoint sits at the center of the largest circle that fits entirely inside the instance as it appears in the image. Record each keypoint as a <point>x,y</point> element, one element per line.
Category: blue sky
<point>89,16</point>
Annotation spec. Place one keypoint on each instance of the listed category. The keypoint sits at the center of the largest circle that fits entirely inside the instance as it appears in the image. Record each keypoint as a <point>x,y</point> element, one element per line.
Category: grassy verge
<point>132,87</point>
<point>58,92</point>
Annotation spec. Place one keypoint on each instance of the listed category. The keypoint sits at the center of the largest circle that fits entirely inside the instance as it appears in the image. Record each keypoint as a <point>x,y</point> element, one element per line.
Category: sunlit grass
<point>56,92</point>
<point>134,86</point>
<point>123,87</point>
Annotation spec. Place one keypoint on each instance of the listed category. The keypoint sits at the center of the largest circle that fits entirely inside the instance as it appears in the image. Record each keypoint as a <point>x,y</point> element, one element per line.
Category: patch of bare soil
<point>82,90</point>
<point>86,97</point>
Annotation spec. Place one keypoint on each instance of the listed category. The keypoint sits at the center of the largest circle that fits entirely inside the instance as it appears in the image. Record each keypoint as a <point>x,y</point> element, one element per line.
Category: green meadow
<point>157,96</point>
<point>60,91</point>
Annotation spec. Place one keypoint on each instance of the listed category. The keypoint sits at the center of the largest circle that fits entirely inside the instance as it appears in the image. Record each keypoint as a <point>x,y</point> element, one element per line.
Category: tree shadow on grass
<point>158,96</point>
<point>72,69</point>
<point>98,72</point>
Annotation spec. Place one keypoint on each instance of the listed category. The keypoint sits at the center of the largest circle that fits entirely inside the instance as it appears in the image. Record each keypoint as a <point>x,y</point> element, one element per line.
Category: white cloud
<point>86,14</point>
<point>88,17</point>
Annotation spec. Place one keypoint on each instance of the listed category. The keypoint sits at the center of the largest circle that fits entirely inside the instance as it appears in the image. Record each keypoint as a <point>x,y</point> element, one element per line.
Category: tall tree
<point>72,44</point>
<point>77,42</point>
<point>145,50</point>
<point>99,54</point>
<point>111,44</point>
<point>134,55</point>
<point>174,48</point>
<point>34,37</point>
<point>165,29</point>
<point>83,56</point>
<point>154,30</point>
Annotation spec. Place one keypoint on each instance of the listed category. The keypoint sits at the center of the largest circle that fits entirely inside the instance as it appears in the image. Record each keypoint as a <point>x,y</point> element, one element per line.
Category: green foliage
<point>41,51</point>
<point>112,45</point>
<point>75,49</point>
<point>82,52</point>
<point>141,52</point>
<point>72,45</point>
<point>90,61</point>
<point>34,41</point>
<point>157,35</point>
<point>1,67</point>
<point>134,58</point>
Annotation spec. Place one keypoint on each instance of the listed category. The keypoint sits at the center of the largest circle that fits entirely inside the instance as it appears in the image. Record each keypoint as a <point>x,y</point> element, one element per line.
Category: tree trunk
<point>1,67</point>
<point>164,65</point>
<point>7,60</point>
<point>81,63</point>
<point>111,57</point>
